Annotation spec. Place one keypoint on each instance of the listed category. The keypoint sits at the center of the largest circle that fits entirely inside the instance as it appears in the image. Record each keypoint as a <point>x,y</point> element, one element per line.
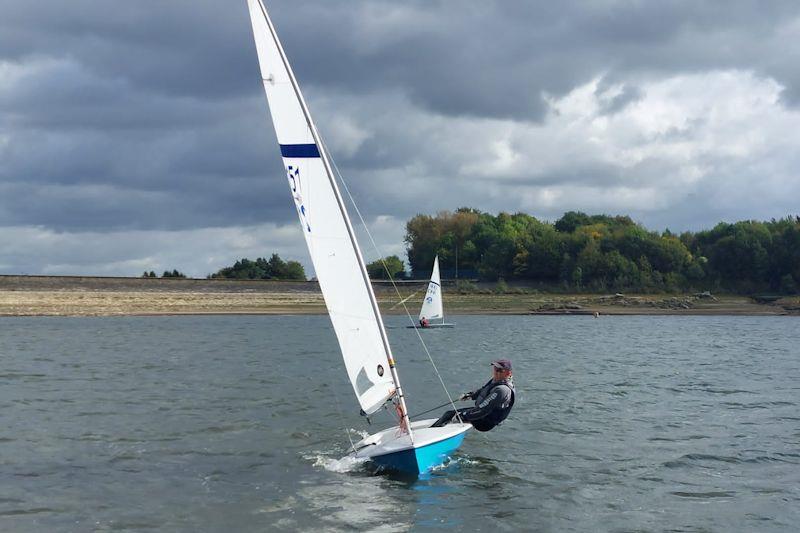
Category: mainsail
<point>432,304</point>
<point>329,234</point>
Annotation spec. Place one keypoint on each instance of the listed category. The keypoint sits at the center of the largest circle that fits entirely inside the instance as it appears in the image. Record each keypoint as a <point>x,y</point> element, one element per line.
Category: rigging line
<point>433,409</point>
<point>404,300</point>
<point>385,266</point>
<point>392,412</point>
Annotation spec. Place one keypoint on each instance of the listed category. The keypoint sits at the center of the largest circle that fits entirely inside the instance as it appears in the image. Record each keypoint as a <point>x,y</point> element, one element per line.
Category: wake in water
<point>344,465</point>
<point>348,464</point>
<point>324,459</point>
<point>457,462</point>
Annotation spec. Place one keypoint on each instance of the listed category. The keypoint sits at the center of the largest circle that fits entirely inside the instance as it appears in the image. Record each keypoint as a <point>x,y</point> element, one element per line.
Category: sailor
<point>424,322</point>
<point>493,401</point>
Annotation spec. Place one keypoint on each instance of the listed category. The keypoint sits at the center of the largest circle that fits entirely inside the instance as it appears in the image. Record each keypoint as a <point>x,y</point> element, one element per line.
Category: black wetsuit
<point>493,402</point>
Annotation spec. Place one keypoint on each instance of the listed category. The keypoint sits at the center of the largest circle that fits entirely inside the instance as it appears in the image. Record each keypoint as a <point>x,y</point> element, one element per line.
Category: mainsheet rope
<point>391,279</point>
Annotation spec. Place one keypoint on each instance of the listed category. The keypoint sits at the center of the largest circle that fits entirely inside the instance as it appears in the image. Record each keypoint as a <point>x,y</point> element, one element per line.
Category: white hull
<point>394,450</point>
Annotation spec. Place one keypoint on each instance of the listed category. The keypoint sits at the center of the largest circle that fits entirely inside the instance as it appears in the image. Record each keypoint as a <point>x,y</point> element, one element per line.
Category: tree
<point>591,262</point>
<point>422,239</point>
<point>785,250</point>
<point>446,235</point>
<point>274,268</point>
<point>566,268</point>
<point>571,221</point>
<point>742,254</point>
<point>460,226</point>
<point>577,277</point>
<point>788,285</point>
<point>396,268</point>
<point>695,271</point>
<point>545,253</point>
<point>295,271</point>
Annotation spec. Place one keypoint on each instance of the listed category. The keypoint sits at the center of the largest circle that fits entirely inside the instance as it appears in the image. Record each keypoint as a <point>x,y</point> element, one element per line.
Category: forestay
<point>432,304</point>
<point>329,235</point>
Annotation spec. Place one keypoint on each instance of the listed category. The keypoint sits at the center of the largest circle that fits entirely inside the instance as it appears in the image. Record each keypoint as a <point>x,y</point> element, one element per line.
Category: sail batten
<point>330,237</point>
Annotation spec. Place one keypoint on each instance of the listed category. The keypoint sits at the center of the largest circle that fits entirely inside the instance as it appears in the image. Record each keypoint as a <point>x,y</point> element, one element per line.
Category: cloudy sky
<point>135,135</point>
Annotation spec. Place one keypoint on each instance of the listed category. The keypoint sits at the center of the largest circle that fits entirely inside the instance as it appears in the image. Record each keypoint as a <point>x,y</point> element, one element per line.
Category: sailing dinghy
<point>432,308</point>
<point>409,447</point>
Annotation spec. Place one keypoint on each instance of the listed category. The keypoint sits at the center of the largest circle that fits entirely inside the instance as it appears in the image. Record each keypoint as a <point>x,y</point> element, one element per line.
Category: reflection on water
<point>240,423</point>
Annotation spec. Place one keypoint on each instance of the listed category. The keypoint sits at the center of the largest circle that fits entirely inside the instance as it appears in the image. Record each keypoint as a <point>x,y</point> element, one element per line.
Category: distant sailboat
<point>432,306</point>
<point>410,447</point>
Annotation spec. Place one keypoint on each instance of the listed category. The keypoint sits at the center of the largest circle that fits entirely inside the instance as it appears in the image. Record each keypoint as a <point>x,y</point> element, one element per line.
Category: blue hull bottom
<point>420,460</point>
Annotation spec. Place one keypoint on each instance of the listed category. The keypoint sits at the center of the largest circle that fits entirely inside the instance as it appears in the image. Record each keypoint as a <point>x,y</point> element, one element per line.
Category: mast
<point>405,421</point>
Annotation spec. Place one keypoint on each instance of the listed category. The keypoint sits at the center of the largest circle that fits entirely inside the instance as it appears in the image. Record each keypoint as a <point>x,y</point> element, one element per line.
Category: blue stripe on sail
<point>299,150</point>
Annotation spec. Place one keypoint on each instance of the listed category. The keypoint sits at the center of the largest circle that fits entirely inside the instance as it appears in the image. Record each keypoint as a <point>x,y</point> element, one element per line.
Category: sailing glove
<point>466,396</point>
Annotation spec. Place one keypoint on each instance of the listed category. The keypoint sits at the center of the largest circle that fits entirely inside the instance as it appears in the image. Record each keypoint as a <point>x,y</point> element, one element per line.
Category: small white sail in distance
<point>432,304</point>
<point>329,234</point>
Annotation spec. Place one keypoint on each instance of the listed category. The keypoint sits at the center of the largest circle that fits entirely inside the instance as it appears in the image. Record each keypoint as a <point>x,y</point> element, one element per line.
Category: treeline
<point>602,253</point>
<point>166,274</point>
<point>272,268</point>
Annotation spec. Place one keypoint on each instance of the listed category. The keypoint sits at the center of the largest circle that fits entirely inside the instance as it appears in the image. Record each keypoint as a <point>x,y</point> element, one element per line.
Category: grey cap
<point>503,364</point>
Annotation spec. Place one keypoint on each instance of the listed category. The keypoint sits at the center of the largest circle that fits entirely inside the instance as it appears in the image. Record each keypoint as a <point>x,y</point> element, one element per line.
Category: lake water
<point>239,424</point>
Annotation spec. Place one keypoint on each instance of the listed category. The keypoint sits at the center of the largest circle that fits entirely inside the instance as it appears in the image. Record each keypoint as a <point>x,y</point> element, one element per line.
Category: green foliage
<point>571,221</point>
<point>501,287</point>
<point>448,235</point>
<point>603,252</point>
<point>274,268</point>
<point>150,274</point>
<point>788,284</point>
<point>396,268</point>
<point>173,274</point>
<point>577,277</point>
<point>465,286</point>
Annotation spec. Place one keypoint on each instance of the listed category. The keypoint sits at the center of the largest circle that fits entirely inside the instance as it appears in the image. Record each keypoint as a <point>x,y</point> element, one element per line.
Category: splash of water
<point>342,465</point>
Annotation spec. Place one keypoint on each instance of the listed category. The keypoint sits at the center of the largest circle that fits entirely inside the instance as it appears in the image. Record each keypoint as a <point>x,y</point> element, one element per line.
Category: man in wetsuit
<point>493,401</point>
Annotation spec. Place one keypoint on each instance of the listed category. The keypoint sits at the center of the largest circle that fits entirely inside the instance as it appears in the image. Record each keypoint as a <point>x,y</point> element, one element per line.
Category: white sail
<point>329,235</point>
<point>432,304</point>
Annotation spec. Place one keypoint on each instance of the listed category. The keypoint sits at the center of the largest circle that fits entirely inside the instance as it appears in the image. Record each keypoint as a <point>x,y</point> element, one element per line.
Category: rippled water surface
<point>239,424</point>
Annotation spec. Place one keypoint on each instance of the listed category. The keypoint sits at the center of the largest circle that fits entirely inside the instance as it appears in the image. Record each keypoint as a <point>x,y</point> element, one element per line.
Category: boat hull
<point>420,460</point>
<point>432,326</point>
<point>392,451</point>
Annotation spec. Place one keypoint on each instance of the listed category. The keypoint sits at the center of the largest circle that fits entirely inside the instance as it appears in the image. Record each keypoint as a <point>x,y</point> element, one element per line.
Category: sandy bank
<point>89,296</point>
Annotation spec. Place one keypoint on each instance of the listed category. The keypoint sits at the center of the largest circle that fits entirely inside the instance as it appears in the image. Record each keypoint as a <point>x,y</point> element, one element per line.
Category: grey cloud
<point>628,95</point>
<point>495,58</point>
<point>483,59</point>
<point>204,203</point>
<point>180,47</point>
<point>128,253</point>
<point>149,115</point>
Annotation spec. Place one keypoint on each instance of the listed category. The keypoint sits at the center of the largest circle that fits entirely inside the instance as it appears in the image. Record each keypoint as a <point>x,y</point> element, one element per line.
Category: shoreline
<point>96,296</point>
